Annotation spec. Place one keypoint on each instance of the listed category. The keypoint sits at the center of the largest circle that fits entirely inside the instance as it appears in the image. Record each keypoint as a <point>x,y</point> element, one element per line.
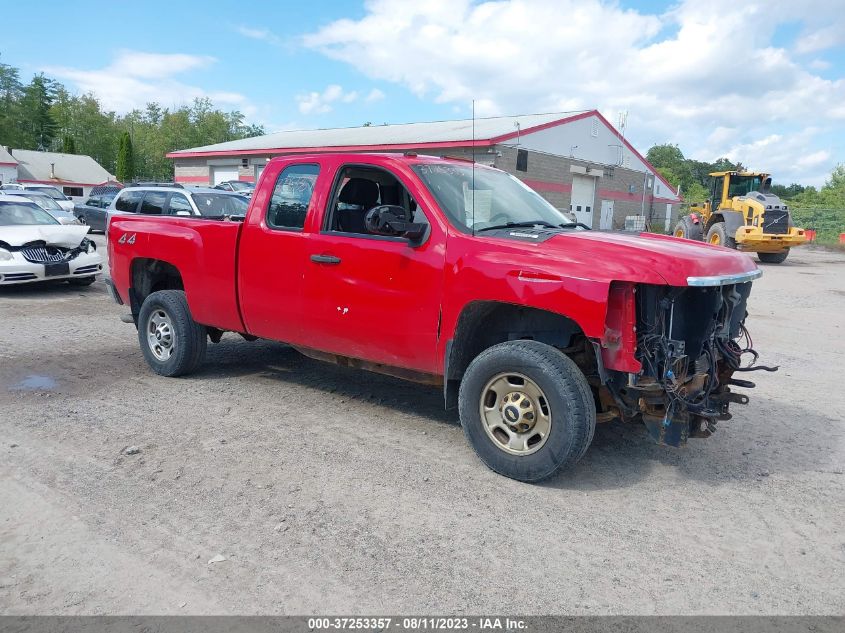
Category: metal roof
<point>434,132</point>
<point>6,157</point>
<point>67,168</point>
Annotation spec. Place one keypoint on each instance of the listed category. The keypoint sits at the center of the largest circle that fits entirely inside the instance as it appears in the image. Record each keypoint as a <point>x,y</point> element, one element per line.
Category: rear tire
<point>173,343</point>
<point>687,229</point>
<point>773,258</point>
<point>718,236</point>
<point>511,381</point>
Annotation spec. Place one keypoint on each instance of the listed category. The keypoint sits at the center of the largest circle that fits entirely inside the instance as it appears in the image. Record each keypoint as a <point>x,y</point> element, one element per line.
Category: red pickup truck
<point>443,272</point>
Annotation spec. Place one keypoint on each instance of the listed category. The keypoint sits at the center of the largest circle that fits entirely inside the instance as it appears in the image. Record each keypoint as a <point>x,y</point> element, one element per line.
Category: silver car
<point>196,202</point>
<point>61,199</point>
<point>45,202</point>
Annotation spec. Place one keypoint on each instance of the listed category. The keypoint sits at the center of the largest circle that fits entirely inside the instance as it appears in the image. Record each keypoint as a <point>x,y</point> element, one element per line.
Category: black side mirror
<point>389,220</point>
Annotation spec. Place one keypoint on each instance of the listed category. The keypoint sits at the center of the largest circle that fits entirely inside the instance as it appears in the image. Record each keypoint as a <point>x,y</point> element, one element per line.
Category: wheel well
<point>483,324</point>
<point>714,218</point>
<point>149,276</point>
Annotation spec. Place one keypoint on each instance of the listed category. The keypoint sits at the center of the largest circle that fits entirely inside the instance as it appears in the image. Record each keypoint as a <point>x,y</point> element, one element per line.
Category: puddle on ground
<point>36,383</point>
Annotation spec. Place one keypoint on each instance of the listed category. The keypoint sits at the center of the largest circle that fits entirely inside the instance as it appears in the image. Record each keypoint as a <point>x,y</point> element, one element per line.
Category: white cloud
<point>259,34</point>
<point>709,76</point>
<point>321,102</point>
<point>374,95</point>
<point>135,78</point>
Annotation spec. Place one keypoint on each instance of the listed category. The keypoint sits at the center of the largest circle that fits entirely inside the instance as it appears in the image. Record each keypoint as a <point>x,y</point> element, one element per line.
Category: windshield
<point>241,186</point>
<point>743,185</point>
<point>219,204</point>
<point>497,198</point>
<point>45,202</point>
<point>24,213</point>
<point>54,193</point>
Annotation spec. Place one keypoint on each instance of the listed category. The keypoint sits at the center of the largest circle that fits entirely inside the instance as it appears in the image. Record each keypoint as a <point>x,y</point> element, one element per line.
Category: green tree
<point>37,123</point>
<point>10,94</point>
<point>125,170</point>
<point>68,145</point>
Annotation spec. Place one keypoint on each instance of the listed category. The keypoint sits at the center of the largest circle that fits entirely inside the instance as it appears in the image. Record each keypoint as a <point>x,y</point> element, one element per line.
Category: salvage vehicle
<point>34,246</point>
<point>241,187</point>
<point>93,211</point>
<point>61,199</point>
<point>744,214</point>
<point>47,203</point>
<point>168,200</point>
<point>453,274</point>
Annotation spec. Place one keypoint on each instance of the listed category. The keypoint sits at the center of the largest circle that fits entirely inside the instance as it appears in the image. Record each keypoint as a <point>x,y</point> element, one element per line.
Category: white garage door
<point>583,198</point>
<point>220,174</point>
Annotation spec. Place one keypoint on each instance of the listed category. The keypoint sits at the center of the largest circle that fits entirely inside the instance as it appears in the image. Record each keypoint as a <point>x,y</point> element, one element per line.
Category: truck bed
<point>204,251</point>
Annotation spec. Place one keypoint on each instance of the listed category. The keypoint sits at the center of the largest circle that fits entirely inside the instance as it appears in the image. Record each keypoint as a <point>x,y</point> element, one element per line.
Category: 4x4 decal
<point>126,238</point>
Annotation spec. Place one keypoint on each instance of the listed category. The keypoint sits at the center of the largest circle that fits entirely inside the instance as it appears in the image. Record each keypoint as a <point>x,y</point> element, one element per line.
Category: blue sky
<point>761,81</point>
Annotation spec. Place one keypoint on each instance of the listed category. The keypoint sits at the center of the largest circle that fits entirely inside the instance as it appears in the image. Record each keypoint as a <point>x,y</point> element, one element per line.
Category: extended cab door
<point>367,296</point>
<point>273,251</point>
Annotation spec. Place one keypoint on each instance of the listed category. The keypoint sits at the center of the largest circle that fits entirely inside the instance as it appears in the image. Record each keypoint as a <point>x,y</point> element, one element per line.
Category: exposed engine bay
<point>690,342</point>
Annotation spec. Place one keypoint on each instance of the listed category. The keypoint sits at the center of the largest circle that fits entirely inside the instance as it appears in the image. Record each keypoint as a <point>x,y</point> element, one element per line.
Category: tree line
<point>44,115</point>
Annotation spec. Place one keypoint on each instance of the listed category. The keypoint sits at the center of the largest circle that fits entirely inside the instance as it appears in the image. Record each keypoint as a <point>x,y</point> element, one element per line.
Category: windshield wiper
<point>574,225</point>
<point>518,225</point>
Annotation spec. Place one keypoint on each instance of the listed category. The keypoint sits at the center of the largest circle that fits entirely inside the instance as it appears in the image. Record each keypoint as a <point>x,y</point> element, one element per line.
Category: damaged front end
<point>689,342</point>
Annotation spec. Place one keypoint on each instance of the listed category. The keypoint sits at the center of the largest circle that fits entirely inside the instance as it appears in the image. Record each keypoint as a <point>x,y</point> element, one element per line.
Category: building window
<point>72,191</point>
<point>522,160</point>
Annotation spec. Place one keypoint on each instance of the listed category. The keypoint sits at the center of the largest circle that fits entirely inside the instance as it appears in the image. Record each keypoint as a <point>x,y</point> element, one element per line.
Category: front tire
<point>173,343</point>
<point>526,409</point>
<point>774,258</point>
<point>687,229</point>
<point>718,236</point>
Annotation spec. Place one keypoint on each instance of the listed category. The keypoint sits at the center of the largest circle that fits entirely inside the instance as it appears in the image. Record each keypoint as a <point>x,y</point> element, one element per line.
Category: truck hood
<point>647,258</point>
<point>68,236</point>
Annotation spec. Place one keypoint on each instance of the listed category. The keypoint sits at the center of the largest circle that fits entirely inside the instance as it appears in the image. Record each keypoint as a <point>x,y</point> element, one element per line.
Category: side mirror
<point>389,220</point>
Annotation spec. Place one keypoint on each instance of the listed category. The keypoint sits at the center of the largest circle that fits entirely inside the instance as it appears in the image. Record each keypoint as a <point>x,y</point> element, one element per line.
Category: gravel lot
<point>331,490</point>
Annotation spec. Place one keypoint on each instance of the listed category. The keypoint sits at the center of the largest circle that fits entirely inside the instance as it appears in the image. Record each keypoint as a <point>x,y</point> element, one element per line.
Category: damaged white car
<point>34,246</point>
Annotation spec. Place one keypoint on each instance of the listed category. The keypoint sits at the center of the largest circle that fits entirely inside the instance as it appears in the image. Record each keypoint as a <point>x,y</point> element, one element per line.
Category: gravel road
<point>331,490</point>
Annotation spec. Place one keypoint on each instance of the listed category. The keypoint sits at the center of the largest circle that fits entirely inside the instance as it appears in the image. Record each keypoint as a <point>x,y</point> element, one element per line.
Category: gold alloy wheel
<point>679,232</point>
<point>515,413</point>
<point>715,239</point>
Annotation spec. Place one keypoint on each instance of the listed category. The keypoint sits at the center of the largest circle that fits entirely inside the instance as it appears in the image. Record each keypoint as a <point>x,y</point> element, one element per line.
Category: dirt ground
<point>331,490</point>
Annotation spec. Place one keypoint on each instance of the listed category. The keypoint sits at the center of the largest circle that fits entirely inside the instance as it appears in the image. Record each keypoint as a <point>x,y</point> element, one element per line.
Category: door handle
<point>325,259</point>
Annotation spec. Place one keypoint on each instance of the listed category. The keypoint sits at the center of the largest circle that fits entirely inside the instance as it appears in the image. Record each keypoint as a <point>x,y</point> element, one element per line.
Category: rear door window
<point>291,197</point>
<point>153,203</point>
<point>128,201</point>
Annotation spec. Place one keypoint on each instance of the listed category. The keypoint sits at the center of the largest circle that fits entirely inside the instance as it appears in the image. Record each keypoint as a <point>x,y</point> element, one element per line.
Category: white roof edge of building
<point>447,131</point>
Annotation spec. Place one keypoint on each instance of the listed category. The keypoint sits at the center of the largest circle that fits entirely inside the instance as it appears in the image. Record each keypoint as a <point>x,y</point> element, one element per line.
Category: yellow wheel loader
<point>744,214</point>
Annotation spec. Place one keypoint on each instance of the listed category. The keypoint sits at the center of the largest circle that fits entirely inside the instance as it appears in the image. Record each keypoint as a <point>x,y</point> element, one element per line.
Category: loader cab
<point>732,184</point>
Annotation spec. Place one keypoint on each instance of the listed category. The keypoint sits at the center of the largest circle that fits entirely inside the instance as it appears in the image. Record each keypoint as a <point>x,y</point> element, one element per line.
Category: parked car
<point>237,186</point>
<point>457,275</point>
<point>160,200</point>
<point>63,201</point>
<point>93,211</point>
<point>45,202</point>
<point>35,247</point>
